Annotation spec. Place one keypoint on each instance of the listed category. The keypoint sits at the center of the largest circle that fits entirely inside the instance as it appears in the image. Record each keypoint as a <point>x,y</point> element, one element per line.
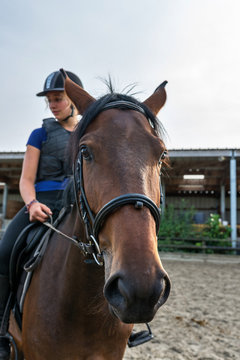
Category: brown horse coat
<point>76,310</point>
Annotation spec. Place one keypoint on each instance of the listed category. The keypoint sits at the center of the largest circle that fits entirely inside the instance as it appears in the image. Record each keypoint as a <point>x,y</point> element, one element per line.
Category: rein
<point>94,223</point>
<point>86,248</point>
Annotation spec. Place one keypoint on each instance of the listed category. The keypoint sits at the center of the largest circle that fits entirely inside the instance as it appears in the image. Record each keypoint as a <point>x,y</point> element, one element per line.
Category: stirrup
<point>140,337</point>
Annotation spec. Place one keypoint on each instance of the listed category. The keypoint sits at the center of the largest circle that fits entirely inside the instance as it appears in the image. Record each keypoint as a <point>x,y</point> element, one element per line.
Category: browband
<point>122,104</point>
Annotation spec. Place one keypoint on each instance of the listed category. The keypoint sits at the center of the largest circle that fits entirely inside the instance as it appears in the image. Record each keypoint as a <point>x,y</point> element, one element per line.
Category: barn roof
<point>212,164</point>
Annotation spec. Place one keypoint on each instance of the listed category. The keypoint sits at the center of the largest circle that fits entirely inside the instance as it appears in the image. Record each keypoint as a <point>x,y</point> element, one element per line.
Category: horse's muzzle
<point>132,303</point>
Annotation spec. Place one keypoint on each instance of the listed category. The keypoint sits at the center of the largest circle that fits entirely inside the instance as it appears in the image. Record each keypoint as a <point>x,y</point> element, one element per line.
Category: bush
<point>176,225</point>
<point>178,232</point>
<point>215,229</point>
<point>219,233</point>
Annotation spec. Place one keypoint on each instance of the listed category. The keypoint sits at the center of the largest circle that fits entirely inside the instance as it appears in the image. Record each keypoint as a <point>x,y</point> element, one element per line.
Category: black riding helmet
<point>55,82</point>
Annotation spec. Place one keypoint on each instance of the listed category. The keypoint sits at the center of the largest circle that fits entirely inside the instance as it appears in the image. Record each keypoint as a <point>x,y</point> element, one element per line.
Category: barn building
<point>208,179</point>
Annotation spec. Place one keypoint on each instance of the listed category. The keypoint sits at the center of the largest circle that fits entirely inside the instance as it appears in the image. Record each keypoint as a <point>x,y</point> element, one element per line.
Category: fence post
<point>222,200</point>
<point>233,198</point>
<point>4,203</point>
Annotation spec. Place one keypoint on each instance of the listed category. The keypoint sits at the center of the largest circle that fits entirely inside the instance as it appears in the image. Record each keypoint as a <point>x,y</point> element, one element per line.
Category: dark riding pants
<point>53,199</point>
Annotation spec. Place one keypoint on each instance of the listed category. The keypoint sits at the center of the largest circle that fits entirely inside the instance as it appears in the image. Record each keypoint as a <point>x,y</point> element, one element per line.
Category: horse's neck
<point>78,278</point>
<point>75,273</point>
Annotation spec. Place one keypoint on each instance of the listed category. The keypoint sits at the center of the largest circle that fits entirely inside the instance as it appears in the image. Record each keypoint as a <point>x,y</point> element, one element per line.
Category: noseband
<point>94,223</point>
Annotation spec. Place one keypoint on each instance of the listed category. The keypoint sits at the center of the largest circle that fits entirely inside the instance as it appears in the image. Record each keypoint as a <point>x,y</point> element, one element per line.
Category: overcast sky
<point>194,44</point>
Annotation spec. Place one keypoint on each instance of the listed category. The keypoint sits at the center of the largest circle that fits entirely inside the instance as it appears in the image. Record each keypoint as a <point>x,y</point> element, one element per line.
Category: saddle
<point>27,253</point>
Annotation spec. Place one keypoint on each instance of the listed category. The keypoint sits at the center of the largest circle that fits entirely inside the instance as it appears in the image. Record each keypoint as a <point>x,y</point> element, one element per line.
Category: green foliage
<point>216,233</point>
<point>177,231</point>
<point>215,229</point>
<point>177,223</point>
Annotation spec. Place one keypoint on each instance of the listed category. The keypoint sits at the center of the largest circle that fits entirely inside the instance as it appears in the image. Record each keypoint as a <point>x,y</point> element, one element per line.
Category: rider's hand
<point>39,212</point>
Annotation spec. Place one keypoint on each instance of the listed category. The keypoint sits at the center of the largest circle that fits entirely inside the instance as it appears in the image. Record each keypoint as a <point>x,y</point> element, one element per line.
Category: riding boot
<point>4,318</point>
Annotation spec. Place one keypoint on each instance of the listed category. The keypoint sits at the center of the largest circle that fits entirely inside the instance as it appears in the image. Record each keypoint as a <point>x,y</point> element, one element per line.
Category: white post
<point>233,198</point>
<point>222,202</point>
<point>4,202</point>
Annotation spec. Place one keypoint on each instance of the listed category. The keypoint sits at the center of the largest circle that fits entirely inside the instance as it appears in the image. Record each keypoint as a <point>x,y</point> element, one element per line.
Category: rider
<point>43,179</point>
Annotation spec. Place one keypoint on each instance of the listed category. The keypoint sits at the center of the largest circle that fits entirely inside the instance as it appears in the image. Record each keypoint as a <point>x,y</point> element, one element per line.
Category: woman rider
<point>43,179</point>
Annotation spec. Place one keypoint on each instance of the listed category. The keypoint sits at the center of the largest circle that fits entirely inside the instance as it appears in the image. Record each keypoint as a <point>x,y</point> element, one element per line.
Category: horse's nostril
<point>165,292</point>
<point>112,292</point>
<point>131,300</point>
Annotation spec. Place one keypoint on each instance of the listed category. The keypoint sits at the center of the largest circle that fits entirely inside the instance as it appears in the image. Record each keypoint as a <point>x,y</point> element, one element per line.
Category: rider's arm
<point>37,210</point>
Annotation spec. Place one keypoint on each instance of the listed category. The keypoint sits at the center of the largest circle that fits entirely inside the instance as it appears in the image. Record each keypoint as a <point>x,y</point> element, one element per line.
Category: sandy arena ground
<point>201,319</point>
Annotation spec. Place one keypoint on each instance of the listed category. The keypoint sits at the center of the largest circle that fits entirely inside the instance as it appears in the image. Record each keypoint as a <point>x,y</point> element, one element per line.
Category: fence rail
<point>194,245</point>
<point>199,245</point>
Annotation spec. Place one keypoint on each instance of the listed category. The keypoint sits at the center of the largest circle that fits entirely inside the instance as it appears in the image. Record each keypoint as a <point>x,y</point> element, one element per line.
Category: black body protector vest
<point>52,162</point>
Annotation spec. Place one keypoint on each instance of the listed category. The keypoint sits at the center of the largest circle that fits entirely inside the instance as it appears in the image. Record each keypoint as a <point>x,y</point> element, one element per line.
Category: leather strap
<point>138,200</point>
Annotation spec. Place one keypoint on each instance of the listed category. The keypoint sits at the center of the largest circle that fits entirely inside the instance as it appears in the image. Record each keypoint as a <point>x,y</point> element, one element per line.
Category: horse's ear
<point>78,95</point>
<point>156,101</point>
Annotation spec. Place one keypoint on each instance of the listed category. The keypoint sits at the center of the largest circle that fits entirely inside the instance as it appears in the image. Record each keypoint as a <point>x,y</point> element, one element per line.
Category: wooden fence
<point>216,246</point>
<point>203,245</point>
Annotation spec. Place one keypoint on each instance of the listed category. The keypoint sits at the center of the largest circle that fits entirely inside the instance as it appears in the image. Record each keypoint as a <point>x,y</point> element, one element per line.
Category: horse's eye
<point>86,153</point>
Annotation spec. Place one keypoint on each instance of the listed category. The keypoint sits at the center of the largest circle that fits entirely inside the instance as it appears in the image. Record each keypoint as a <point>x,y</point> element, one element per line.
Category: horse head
<point>121,153</point>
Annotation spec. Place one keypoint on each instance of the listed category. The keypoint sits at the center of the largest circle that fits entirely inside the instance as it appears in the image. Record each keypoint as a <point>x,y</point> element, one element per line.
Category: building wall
<point>204,206</point>
<point>14,204</point>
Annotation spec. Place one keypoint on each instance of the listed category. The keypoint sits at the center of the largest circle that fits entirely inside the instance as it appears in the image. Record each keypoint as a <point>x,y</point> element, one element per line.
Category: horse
<point>88,292</point>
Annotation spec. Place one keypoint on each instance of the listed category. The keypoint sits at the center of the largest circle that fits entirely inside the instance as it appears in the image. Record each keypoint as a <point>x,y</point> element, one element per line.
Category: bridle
<point>93,223</point>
